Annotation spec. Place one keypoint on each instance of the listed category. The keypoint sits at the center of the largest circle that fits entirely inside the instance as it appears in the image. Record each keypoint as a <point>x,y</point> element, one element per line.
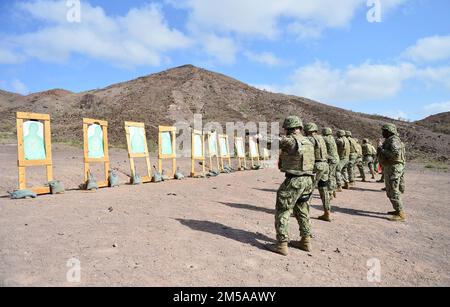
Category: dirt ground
<point>211,232</point>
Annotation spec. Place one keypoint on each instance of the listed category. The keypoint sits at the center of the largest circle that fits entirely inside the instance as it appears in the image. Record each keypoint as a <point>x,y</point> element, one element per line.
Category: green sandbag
<point>136,180</point>
<point>56,187</point>
<point>91,184</point>
<point>179,175</point>
<point>157,177</point>
<point>113,179</point>
<point>22,194</point>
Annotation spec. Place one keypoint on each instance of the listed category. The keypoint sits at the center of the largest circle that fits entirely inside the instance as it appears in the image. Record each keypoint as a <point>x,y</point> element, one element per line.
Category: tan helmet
<point>348,134</point>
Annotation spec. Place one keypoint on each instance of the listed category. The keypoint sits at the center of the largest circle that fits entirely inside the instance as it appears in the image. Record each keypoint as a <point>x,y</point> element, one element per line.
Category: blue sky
<point>325,49</point>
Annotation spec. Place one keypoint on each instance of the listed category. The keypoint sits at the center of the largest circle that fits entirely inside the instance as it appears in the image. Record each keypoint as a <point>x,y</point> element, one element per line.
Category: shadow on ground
<point>218,229</point>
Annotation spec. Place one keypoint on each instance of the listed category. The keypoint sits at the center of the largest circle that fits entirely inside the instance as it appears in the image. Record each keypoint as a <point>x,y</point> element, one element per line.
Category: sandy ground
<point>211,232</point>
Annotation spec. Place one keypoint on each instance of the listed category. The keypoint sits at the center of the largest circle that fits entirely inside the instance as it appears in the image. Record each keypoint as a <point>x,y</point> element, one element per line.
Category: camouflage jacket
<point>392,151</point>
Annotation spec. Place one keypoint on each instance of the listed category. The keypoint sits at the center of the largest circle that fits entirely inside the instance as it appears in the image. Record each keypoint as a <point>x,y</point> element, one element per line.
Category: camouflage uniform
<point>359,160</point>
<point>368,156</point>
<point>343,146</point>
<point>333,158</point>
<point>353,157</point>
<point>293,196</point>
<point>321,167</point>
<point>392,158</point>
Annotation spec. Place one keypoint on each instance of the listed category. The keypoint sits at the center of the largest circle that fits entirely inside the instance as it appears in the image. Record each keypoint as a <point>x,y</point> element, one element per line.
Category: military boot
<point>398,217</point>
<point>279,248</point>
<point>346,186</point>
<point>335,194</point>
<point>326,217</point>
<point>339,189</point>
<point>304,244</point>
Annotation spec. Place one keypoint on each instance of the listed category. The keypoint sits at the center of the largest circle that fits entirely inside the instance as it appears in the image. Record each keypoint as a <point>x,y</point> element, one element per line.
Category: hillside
<point>177,94</point>
<point>439,123</point>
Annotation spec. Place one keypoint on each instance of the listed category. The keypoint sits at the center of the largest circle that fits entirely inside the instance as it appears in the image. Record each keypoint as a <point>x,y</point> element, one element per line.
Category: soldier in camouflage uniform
<point>297,162</point>
<point>321,168</point>
<point>369,153</point>
<point>353,158</point>
<point>391,155</point>
<point>343,146</point>
<point>359,160</point>
<point>333,159</point>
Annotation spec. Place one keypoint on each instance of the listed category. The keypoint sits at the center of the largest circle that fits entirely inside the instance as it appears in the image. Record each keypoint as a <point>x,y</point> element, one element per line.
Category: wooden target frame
<point>254,156</point>
<point>242,158</point>
<point>196,158</point>
<point>224,156</point>
<point>265,154</point>
<point>161,155</point>
<point>87,122</point>
<point>132,156</point>
<point>209,137</point>
<point>22,164</point>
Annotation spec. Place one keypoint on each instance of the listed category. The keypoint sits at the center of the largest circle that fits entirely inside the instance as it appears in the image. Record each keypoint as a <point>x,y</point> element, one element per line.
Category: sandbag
<point>136,180</point>
<point>22,194</point>
<point>56,187</point>
<point>113,179</point>
<point>179,175</point>
<point>91,183</point>
<point>157,177</point>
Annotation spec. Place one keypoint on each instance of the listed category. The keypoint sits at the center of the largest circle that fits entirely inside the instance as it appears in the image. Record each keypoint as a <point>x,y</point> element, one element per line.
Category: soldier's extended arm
<point>287,144</point>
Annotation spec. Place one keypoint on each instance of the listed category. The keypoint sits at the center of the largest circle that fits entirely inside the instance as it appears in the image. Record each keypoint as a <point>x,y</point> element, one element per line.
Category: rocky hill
<point>179,93</point>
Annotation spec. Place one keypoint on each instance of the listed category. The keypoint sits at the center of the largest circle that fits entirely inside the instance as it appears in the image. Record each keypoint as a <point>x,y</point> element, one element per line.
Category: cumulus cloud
<point>141,37</point>
<point>429,49</point>
<point>366,82</point>
<point>262,18</point>
<point>266,58</point>
<point>436,108</point>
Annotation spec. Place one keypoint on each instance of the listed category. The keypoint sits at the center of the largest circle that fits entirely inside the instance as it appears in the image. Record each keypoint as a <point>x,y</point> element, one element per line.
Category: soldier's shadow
<point>218,229</point>
<point>249,207</point>
<point>355,212</point>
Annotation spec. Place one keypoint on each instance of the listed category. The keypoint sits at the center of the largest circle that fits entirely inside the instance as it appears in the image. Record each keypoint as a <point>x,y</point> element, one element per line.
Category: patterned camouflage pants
<point>360,166</point>
<point>369,161</point>
<point>293,196</point>
<point>322,170</point>
<point>341,173</point>
<point>394,178</point>
<point>332,183</point>
<point>351,168</point>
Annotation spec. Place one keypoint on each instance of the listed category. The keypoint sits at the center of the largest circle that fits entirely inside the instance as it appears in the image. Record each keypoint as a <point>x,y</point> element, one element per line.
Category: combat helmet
<point>391,128</point>
<point>366,141</point>
<point>292,122</point>
<point>340,133</point>
<point>348,134</point>
<point>311,127</point>
<point>327,131</point>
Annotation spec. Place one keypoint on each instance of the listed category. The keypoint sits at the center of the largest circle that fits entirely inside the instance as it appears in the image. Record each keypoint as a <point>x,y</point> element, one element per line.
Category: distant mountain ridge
<point>179,93</point>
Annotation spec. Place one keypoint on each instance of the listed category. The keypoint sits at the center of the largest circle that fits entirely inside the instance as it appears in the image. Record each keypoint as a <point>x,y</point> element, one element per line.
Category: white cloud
<point>263,18</point>
<point>9,57</point>
<point>18,86</point>
<point>141,37</point>
<point>435,76</point>
<point>429,49</point>
<point>266,58</point>
<point>366,82</point>
<point>436,108</point>
<point>222,49</point>
<point>398,115</point>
